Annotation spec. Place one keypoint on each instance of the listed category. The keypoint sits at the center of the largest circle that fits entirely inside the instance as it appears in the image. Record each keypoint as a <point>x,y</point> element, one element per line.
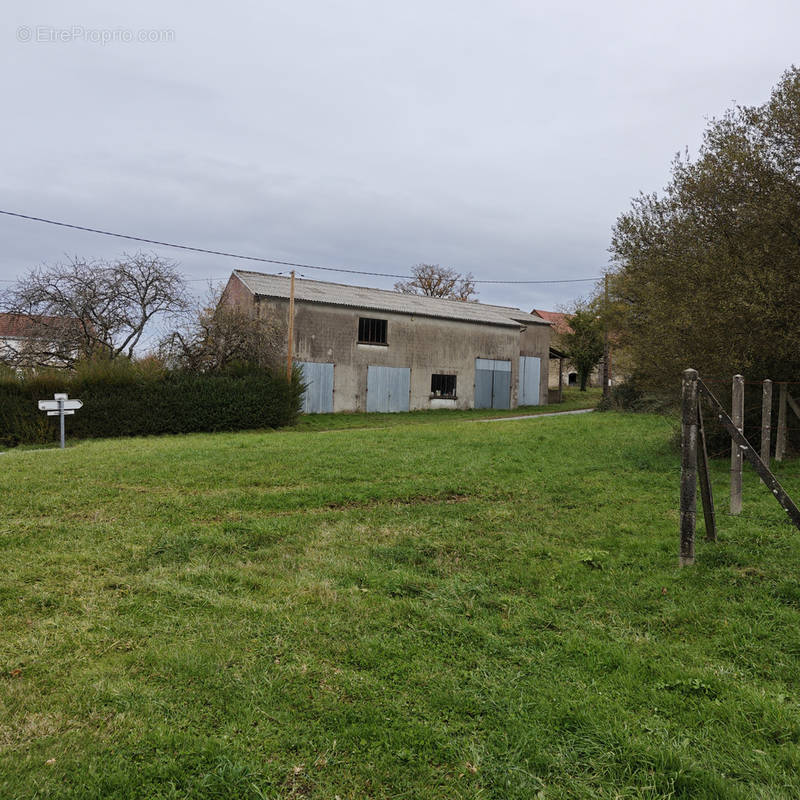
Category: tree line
<point>706,274</point>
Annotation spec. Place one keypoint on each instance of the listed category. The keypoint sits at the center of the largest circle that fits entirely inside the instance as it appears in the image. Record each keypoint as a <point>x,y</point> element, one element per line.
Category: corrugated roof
<point>338,294</point>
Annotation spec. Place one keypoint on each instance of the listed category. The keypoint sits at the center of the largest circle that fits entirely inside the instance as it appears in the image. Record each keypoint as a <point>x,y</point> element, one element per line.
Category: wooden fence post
<point>737,415</point>
<point>688,466</point>
<point>749,452</point>
<point>792,404</point>
<point>780,443</point>
<point>706,493</point>
<point>766,421</point>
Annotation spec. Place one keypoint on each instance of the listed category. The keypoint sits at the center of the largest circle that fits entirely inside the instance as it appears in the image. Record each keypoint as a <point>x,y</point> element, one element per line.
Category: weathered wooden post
<point>780,442</point>
<point>766,420</point>
<point>688,466</point>
<point>792,404</point>
<point>706,493</point>
<point>737,415</point>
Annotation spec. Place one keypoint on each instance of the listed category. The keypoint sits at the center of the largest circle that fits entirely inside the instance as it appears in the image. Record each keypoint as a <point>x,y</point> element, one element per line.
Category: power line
<point>260,259</point>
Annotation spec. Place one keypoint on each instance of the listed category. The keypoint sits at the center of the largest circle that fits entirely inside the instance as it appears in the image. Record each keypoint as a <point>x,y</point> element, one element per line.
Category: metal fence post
<point>737,415</point>
<point>688,466</point>
<point>61,420</point>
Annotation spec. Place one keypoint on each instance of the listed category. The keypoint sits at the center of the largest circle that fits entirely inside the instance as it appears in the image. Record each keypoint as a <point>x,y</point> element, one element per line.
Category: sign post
<point>60,406</point>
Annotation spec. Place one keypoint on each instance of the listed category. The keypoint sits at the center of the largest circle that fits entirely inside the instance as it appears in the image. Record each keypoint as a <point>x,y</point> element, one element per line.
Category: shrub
<point>630,396</point>
<point>122,398</point>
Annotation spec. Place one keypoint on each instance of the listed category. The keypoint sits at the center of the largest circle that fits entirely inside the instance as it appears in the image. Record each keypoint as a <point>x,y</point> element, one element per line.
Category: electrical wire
<point>224,254</point>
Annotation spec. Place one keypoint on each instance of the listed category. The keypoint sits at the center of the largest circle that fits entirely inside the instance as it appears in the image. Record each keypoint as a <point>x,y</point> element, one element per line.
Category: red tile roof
<point>557,319</point>
<point>20,325</point>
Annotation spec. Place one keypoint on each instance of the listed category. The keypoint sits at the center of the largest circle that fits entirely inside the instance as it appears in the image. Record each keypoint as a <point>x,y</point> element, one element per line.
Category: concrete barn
<point>367,349</point>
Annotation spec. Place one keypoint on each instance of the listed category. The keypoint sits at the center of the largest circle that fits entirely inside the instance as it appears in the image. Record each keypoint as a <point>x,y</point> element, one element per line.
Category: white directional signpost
<point>60,406</point>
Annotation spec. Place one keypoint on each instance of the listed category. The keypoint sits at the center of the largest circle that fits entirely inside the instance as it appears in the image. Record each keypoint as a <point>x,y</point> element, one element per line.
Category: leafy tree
<point>708,273</point>
<point>89,309</point>
<point>432,280</point>
<point>583,343</point>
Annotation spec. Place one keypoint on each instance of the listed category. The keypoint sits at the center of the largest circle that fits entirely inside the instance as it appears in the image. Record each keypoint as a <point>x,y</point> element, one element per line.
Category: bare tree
<point>432,280</point>
<point>219,335</point>
<point>86,309</point>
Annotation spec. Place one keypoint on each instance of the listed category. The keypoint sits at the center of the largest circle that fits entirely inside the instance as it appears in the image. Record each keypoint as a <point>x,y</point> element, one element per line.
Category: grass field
<point>574,399</point>
<point>450,610</point>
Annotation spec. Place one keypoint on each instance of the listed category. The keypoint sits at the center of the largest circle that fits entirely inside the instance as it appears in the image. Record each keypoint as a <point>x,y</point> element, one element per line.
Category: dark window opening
<point>443,386</point>
<point>372,331</point>
<point>572,380</point>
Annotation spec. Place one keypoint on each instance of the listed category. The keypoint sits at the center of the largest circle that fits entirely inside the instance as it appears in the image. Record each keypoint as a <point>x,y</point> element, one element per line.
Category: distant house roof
<point>21,325</point>
<point>557,319</point>
<point>338,294</point>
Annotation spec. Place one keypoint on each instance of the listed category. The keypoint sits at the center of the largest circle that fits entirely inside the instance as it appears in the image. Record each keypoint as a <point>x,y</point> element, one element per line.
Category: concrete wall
<point>237,294</point>
<point>595,378</point>
<point>427,345</point>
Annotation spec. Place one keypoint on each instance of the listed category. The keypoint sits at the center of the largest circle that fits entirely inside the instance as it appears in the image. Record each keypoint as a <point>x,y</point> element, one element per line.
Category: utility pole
<point>290,345</point>
<point>606,346</point>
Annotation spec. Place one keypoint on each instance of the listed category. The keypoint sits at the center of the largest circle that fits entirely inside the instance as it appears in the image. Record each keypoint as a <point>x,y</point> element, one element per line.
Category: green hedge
<point>124,399</point>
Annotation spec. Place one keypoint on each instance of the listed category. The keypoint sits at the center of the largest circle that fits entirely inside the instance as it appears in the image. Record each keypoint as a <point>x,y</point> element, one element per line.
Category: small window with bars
<point>371,331</point>
<point>443,386</point>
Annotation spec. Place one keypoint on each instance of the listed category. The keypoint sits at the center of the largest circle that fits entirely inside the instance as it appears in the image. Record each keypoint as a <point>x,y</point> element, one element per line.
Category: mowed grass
<point>574,399</point>
<point>452,610</point>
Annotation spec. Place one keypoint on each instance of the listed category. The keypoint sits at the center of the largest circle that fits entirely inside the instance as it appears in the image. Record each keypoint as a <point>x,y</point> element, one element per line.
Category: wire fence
<point>742,435</point>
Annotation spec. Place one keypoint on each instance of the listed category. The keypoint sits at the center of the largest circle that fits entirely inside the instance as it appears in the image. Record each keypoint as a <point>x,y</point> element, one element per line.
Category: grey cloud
<point>501,139</point>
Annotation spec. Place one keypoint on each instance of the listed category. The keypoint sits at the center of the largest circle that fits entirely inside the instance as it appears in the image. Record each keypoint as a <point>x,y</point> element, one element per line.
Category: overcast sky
<point>499,138</point>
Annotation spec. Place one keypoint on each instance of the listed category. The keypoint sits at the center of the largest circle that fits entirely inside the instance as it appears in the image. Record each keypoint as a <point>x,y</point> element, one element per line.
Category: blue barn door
<point>529,374</point>
<point>318,397</point>
<point>483,386</point>
<point>388,388</point>
<point>492,383</point>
